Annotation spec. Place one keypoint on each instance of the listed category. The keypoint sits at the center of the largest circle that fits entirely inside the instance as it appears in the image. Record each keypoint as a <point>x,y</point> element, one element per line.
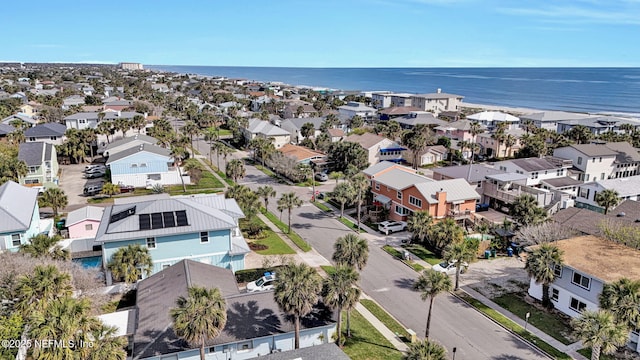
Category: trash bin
<point>406,255</point>
<point>493,252</point>
<point>509,251</point>
<point>487,254</point>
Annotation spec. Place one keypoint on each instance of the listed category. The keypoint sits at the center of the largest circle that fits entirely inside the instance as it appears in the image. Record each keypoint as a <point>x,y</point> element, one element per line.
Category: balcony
<point>509,194</point>
<point>459,214</point>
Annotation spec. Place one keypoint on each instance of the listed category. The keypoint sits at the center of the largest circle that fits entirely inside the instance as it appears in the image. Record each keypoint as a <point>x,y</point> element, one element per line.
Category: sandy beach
<point>515,110</point>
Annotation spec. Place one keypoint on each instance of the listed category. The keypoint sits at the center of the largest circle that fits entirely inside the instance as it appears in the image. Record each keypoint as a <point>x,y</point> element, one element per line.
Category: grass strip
<point>303,245</point>
<point>510,325</point>
<point>321,206</point>
<point>275,245</point>
<point>328,269</point>
<point>386,319</point>
<point>423,253</point>
<point>349,224</point>
<point>266,170</point>
<point>586,352</point>
<point>397,254</point>
<point>366,343</point>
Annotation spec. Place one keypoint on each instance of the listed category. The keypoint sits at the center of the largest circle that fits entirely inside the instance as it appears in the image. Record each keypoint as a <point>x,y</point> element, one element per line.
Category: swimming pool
<point>90,262</point>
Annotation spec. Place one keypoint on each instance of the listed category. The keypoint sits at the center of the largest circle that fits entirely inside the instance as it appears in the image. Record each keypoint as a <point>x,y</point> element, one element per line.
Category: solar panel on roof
<point>122,214</point>
<point>156,221</point>
<point>169,219</point>
<point>181,218</point>
<point>145,221</point>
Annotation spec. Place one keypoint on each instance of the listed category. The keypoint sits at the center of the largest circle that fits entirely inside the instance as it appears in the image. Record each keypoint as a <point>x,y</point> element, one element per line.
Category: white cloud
<point>577,14</point>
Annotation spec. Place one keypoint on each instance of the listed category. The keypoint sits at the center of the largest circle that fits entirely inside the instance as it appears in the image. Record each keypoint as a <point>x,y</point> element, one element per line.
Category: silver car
<point>263,284</point>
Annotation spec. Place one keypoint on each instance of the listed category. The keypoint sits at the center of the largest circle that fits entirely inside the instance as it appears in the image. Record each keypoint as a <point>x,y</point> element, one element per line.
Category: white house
<point>589,263</point>
<point>437,102</point>
<point>536,169</point>
<point>144,166</point>
<point>627,188</point>
<point>598,124</point>
<point>600,161</point>
<point>353,108</point>
<point>259,128</point>
<point>491,119</point>
<point>378,148</point>
<point>51,133</point>
<point>549,119</point>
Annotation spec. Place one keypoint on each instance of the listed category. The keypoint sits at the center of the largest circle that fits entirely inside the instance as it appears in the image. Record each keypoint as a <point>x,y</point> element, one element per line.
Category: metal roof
<point>456,189</point>
<point>137,138</point>
<point>17,204</point>
<point>149,148</point>
<point>84,213</point>
<point>472,172</point>
<point>399,179</point>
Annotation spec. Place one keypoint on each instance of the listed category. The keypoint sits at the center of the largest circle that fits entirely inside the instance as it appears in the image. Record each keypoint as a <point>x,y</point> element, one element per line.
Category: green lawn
<point>507,323</point>
<point>208,184</point>
<point>275,244</point>
<point>303,245</point>
<point>366,343</point>
<point>224,132</point>
<point>349,224</point>
<point>423,253</point>
<point>397,254</point>
<point>266,170</point>
<point>550,324</point>
<point>321,206</point>
<point>328,269</point>
<point>586,352</point>
<point>386,319</point>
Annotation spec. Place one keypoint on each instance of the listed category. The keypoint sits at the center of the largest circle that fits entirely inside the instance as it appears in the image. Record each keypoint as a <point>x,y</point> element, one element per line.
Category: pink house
<point>458,130</point>
<point>84,222</point>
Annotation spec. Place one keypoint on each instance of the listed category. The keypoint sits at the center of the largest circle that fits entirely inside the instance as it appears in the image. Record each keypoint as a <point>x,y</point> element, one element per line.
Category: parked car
<point>126,188</point>
<point>387,227</point>
<point>94,175</point>
<point>322,177</point>
<point>449,267</point>
<point>263,284</point>
<point>92,189</point>
<point>94,168</point>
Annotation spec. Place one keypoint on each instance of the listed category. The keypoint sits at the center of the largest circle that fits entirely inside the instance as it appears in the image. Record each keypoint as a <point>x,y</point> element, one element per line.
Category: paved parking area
<point>72,183</point>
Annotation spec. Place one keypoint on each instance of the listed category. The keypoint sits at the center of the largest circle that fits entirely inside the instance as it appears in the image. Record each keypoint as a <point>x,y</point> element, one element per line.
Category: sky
<point>325,33</point>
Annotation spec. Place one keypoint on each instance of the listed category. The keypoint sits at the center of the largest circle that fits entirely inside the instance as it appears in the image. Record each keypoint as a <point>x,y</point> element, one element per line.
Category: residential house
<point>598,125</point>
<point>84,222</point>
<point>491,119</point>
<point>589,262</point>
<point>378,148</point>
<point>20,215</point>
<point>126,143</point>
<point>403,191</point>
<point>502,190</point>
<point>51,133</point>
<point>353,108</point>
<point>19,117</point>
<point>163,88</point>
<point>474,174</point>
<point>549,119</point>
<point>490,147</point>
<point>29,109</point>
<point>329,351</point>
<point>437,102</point>
<point>302,154</point>
<point>73,100</point>
<point>395,112</point>
<point>589,222</point>
<point>419,117</point>
<point>268,331</point>
<point>5,130</point>
<point>202,227</point>
<point>294,127</point>
<point>380,99</point>
<point>144,166</point>
<point>600,161</point>
<point>458,130</point>
<point>42,164</point>
<point>117,105</point>
<point>536,169</point>
<point>430,155</point>
<point>259,128</point>
<point>336,134</point>
<point>83,120</point>
<point>628,188</point>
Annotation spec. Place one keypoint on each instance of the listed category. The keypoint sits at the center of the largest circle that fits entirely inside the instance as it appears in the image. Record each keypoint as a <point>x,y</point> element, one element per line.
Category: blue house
<point>19,215</point>
<point>202,227</point>
<point>144,166</point>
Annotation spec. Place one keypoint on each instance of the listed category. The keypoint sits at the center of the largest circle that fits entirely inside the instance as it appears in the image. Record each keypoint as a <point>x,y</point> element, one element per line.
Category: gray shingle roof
<point>200,217</point>
<point>594,149</point>
<point>257,126</point>
<point>153,149</point>
<point>478,172</point>
<point>553,116</point>
<point>414,119</point>
<point>366,140</point>
<point>249,315</point>
<point>457,190</point>
<point>561,182</point>
<point>17,204</point>
<point>35,153</point>
<point>626,152</point>
<point>83,115</point>
<point>6,129</point>
<point>46,130</point>
<point>535,164</point>
<point>297,123</point>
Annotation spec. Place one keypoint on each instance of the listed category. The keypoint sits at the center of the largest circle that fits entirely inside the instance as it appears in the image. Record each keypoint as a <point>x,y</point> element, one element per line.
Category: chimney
<point>441,196</point>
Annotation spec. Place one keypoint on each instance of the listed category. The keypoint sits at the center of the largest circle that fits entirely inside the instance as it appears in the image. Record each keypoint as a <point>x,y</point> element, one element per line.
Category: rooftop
<point>458,190</point>
<point>366,140</point>
<point>45,130</point>
<point>562,182</point>
<point>493,116</point>
<point>154,149</point>
<point>34,153</point>
<point>17,204</point>
<point>472,173</point>
<point>399,179</point>
<point>300,153</point>
<point>624,186</point>
<point>598,257</point>
<point>553,116</point>
<point>84,213</point>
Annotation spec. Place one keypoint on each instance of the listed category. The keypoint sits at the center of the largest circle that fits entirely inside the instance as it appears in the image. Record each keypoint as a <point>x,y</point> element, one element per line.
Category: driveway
<point>72,183</point>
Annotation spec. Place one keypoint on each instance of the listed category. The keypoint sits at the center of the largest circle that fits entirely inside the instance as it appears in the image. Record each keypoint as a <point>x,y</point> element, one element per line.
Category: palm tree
<point>211,134</point>
<point>46,283</point>
<point>179,154</point>
<point>340,293</point>
<point>289,201</point>
<point>200,316</point>
<point>55,199</point>
<point>607,199</point>
<point>138,122</point>
<point>360,185</point>
<point>430,284</point>
<point>336,175</point>
<point>122,125</point>
<point>42,245</point>
<point>445,232</point>
<point>475,129</point>
<point>235,169</point>
<point>130,263</point>
<point>265,192</point>
<point>417,140</point>
<point>622,299</point>
<point>599,330</point>
<point>190,129</point>
<point>105,128</point>
<point>106,344</point>
<point>541,266</point>
<point>110,189</point>
<point>525,211</point>
<point>88,136</point>
<point>194,168</point>
<point>296,291</point>
<point>351,250</point>
<point>237,191</point>
<point>425,350</point>
<point>343,193</point>
<point>419,224</point>
<point>509,141</point>
<point>460,253</point>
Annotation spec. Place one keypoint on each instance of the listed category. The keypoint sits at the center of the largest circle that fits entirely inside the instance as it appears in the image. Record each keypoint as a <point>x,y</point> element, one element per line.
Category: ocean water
<point>593,90</point>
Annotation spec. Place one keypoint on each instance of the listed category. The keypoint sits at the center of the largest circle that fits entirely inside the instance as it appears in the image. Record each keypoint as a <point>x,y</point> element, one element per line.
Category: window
<point>164,266</point>
<point>377,186</point>
<point>16,239</point>
<point>32,139</point>
<point>555,293</point>
<point>557,270</point>
<point>246,345</point>
<point>151,242</point>
<point>415,201</point>
<point>143,165</point>
<point>402,210</point>
<point>31,181</point>
<point>579,160</point>
<point>204,237</point>
<point>600,159</point>
<point>602,176</point>
<point>33,169</point>
<point>534,175</point>
<point>560,172</point>
<point>134,165</point>
<point>54,138</point>
<point>586,178</point>
<point>156,177</point>
<point>581,280</point>
<point>399,195</point>
<point>88,226</point>
<point>577,305</point>
<point>82,121</point>
<point>593,160</point>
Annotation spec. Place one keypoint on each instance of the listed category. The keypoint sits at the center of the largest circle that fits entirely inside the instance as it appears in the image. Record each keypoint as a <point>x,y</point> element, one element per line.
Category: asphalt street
<point>389,281</point>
